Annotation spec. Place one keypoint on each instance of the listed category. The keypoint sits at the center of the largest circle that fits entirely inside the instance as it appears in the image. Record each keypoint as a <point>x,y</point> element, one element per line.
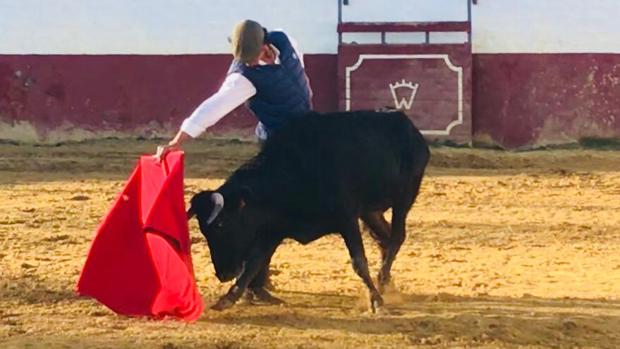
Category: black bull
<point>318,175</point>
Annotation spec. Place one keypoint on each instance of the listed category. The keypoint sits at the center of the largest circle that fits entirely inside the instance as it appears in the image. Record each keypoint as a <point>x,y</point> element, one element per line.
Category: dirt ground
<point>504,250</point>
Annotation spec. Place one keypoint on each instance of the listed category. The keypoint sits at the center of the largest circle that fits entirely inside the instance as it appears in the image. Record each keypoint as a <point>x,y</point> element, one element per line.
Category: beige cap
<point>247,40</point>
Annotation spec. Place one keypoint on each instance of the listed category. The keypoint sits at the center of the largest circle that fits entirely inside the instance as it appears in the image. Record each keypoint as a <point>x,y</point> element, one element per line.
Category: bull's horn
<point>218,200</point>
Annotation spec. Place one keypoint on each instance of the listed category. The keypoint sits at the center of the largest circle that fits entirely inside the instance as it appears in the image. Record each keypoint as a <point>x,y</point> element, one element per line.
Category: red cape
<point>140,261</point>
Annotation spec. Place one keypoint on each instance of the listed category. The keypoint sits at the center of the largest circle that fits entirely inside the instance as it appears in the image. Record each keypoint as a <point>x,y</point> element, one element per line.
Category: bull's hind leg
<point>395,241</point>
<point>398,230</point>
<point>379,229</point>
<point>353,240</point>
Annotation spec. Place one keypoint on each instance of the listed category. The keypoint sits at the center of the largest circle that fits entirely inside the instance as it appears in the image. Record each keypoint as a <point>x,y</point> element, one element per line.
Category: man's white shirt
<point>235,90</point>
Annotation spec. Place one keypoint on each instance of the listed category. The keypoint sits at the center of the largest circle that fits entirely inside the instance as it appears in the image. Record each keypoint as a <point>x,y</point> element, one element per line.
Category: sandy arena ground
<point>504,250</point>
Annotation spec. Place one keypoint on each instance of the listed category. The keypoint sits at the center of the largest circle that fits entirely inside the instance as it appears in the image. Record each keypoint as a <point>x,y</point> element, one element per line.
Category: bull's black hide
<point>317,175</point>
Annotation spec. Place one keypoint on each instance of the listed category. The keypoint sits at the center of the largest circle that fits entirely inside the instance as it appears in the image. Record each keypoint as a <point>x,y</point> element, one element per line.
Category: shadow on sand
<point>445,318</point>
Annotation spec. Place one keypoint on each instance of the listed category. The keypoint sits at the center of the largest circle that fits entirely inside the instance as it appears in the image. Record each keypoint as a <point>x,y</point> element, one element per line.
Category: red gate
<point>430,82</point>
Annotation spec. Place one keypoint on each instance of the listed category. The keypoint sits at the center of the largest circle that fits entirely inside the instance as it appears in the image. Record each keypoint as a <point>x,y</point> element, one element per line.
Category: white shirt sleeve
<point>235,90</point>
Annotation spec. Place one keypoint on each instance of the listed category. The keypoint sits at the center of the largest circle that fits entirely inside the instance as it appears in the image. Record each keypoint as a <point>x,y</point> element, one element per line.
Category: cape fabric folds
<point>139,263</point>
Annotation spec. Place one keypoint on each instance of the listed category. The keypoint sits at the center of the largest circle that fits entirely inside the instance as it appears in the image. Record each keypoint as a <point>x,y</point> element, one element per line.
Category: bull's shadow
<point>445,318</point>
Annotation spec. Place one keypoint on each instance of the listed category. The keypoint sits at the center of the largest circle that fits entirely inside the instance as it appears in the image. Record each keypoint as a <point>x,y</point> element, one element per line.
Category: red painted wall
<point>518,100</point>
<point>523,100</point>
<point>128,93</point>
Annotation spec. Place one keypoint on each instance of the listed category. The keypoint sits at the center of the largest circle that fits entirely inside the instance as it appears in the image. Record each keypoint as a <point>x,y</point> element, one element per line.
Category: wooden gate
<point>430,82</point>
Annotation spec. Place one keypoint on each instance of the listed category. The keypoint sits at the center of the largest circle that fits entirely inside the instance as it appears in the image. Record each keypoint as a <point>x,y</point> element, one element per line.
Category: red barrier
<point>140,262</point>
<point>399,27</point>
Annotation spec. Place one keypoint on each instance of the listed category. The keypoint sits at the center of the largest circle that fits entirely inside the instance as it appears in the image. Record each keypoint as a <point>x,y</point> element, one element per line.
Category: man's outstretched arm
<point>235,90</point>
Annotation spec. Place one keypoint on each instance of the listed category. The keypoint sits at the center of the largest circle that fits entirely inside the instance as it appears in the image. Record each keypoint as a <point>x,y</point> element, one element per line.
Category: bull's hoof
<point>263,296</point>
<point>223,304</point>
<point>376,303</point>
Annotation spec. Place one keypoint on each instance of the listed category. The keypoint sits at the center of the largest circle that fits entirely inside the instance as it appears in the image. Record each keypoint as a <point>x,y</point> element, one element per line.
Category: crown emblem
<point>403,102</point>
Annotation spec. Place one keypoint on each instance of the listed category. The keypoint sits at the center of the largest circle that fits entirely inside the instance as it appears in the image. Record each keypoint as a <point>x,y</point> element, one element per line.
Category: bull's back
<point>336,159</point>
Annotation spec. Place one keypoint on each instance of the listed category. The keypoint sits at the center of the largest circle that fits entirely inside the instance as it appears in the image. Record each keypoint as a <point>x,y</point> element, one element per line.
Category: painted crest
<point>402,100</point>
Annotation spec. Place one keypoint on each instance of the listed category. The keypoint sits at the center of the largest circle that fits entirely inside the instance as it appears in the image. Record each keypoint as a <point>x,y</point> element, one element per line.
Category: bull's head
<point>222,223</point>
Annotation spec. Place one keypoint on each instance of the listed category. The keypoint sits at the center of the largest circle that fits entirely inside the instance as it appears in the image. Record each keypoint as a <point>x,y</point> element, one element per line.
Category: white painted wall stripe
<point>201,26</point>
<point>405,10</point>
<point>546,26</point>
<point>156,26</point>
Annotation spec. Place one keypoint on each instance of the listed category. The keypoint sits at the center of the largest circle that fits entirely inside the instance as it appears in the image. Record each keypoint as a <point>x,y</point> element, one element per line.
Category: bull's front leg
<point>257,289</point>
<point>353,240</point>
<point>258,256</point>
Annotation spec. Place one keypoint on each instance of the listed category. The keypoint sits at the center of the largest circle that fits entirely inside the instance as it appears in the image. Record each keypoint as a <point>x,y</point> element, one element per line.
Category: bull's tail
<point>421,154</point>
<point>415,151</point>
<point>415,156</point>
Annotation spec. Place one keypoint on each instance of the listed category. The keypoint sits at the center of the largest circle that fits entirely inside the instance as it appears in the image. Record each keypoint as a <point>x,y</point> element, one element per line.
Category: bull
<point>319,174</point>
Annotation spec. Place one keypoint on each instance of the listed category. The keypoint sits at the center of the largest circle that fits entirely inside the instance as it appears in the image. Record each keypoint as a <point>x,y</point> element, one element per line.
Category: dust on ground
<point>504,250</point>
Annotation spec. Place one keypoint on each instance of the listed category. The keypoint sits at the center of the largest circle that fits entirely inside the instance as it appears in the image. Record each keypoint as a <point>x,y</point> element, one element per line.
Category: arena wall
<point>543,72</point>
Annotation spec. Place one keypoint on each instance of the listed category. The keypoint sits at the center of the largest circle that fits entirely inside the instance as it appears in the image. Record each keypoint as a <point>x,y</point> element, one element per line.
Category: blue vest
<point>282,90</point>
